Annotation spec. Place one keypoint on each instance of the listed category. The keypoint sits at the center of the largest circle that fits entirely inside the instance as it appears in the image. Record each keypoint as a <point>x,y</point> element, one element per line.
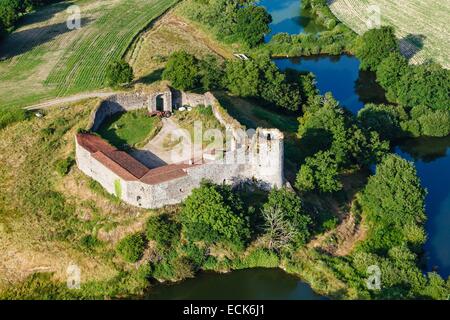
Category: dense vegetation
<point>394,122</point>
<point>118,73</point>
<point>254,78</point>
<point>335,142</point>
<point>12,10</point>
<point>335,39</point>
<point>409,85</point>
<point>231,20</point>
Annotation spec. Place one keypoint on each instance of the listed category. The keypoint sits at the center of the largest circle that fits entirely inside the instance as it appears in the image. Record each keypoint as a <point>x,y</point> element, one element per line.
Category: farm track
<point>421,25</point>
<point>70,99</point>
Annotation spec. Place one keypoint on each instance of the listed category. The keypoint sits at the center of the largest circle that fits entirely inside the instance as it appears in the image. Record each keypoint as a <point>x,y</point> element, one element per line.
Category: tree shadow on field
<point>154,76</point>
<point>45,13</point>
<point>411,44</point>
<point>20,42</point>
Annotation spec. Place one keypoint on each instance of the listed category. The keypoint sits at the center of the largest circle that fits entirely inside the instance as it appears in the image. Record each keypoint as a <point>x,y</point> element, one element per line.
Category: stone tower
<point>267,156</point>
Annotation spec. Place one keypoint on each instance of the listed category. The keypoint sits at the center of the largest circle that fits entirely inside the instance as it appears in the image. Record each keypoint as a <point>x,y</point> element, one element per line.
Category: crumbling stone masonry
<point>258,158</point>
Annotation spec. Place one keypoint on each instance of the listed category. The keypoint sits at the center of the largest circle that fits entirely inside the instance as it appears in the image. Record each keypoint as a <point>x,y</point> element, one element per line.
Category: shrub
<point>173,267</point>
<point>261,258</point>
<point>63,165</point>
<point>215,213</point>
<point>163,230</point>
<point>119,73</point>
<point>182,71</point>
<point>131,247</point>
<point>9,116</point>
<point>89,242</point>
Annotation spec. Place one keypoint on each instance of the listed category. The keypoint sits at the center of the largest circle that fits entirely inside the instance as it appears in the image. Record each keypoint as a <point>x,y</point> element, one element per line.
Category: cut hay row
<point>421,25</point>
<point>49,60</point>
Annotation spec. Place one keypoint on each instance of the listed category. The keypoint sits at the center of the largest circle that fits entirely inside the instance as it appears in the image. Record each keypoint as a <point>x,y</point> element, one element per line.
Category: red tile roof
<point>127,167</point>
<point>121,163</point>
<point>113,166</point>
<point>165,173</point>
<point>93,143</point>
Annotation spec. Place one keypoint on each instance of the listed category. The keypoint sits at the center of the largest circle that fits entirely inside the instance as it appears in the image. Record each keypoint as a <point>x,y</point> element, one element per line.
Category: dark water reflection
<point>264,284</point>
<point>431,157</point>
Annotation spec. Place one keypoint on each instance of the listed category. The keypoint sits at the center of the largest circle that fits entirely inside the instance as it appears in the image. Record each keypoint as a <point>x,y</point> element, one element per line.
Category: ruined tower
<point>267,156</point>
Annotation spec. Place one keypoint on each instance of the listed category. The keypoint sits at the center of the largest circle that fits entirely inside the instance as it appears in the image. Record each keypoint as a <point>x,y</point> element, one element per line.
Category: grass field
<point>44,59</point>
<point>133,128</point>
<point>169,34</point>
<point>421,25</point>
<point>48,220</point>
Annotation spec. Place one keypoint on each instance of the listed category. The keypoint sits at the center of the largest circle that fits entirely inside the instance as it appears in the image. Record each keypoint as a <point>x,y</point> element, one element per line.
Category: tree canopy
<point>119,73</point>
<point>214,213</point>
<point>374,46</point>
<point>394,203</point>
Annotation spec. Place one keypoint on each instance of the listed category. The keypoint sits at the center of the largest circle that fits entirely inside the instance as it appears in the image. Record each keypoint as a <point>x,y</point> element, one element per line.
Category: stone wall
<point>259,158</point>
<point>97,171</point>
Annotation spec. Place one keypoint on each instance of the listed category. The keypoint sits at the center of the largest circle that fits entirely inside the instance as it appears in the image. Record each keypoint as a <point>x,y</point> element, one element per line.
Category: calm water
<point>341,76</point>
<point>264,284</point>
<point>432,159</point>
<point>287,17</point>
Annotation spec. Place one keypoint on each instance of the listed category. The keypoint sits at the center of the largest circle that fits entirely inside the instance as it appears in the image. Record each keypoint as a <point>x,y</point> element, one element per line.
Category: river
<point>353,88</point>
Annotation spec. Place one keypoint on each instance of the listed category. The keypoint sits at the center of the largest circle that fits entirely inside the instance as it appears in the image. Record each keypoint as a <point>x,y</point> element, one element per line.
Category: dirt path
<point>342,240</point>
<point>172,144</point>
<point>70,99</point>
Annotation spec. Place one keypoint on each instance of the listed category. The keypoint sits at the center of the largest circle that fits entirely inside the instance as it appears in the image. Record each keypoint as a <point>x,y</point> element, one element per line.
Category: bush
<point>173,267</point>
<point>131,247</point>
<point>214,213</point>
<point>182,71</point>
<point>63,165</point>
<point>89,242</point>
<point>258,258</point>
<point>9,116</point>
<point>119,73</point>
<point>163,230</point>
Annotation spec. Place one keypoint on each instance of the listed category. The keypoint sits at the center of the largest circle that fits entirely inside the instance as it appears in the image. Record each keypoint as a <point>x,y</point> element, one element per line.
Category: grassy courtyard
<point>133,128</point>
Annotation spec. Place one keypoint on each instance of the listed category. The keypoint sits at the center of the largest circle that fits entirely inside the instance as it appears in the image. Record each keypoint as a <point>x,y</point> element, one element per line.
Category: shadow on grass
<point>23,41</point>
<point>156,75</point>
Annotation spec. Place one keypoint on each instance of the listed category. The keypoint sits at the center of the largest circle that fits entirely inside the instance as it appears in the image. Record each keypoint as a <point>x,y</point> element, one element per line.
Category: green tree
<point>119,73</point>
<point>214,213</point>
<point>374,46</point>
<point>242,78</point>
<point>131,247</point>
<point>321,172</point>
<point>163,230</point>
<point>289,216</point>
<point>390,71</point>
<point>211,73</point>
<point>393,202</point>
<point>252,24</point>
<point>182,71</point>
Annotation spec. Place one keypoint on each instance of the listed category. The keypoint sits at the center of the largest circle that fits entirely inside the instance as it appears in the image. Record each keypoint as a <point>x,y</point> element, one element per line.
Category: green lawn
<point>133,128</point>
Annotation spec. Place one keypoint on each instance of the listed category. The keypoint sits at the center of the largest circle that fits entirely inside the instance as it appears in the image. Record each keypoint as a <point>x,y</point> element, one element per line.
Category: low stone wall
<point>115,104</point>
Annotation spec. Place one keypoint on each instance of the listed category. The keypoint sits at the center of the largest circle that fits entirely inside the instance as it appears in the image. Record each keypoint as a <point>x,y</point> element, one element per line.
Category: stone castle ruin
<point>257,158</point>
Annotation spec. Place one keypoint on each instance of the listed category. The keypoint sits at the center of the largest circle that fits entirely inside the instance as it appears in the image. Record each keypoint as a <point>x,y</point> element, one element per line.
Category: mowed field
<point>422,25</point>
<point>44,59</point>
